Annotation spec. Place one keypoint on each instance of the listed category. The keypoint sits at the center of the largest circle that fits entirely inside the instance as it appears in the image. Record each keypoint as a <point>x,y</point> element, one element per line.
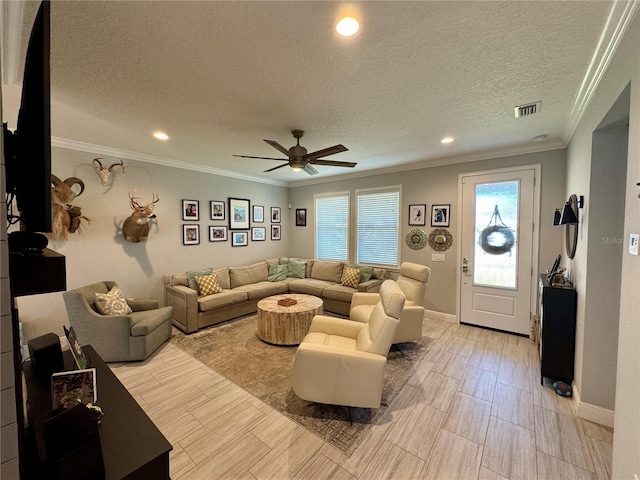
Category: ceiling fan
<point>299,159</point>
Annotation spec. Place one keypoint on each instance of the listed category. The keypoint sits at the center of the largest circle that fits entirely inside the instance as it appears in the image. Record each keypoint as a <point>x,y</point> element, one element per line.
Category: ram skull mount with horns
<point>105,172</point>
<point>136,226</point>
<point>66,218</point>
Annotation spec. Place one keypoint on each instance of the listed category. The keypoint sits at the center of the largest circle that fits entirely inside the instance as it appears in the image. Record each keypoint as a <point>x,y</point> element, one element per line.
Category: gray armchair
<point>117,338</point>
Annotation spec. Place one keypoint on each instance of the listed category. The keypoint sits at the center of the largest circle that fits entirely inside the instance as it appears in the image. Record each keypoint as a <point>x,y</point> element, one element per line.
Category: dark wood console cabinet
<point>557,330</point>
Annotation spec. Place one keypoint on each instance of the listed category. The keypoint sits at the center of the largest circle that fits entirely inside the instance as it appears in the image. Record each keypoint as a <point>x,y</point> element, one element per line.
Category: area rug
<point>233,350</point>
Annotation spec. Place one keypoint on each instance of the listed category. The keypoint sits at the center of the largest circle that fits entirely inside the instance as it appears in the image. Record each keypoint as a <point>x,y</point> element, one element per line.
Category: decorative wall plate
<point>416,239</point>
<point>440,239</point>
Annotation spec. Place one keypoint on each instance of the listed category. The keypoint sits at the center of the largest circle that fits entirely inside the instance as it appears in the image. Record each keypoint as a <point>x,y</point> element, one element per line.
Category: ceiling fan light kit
<point>299,159</point>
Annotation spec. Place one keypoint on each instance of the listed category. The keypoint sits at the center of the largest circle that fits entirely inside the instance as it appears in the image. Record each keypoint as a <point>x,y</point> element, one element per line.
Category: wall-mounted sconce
<point>569,218</point>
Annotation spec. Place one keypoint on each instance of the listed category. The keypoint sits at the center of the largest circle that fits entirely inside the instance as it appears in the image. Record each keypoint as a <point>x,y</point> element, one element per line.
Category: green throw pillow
<point>191,277</point>
<point>278,273</point>
<point>284,261</point>
<point>296,268</point>
<point>365,272</point>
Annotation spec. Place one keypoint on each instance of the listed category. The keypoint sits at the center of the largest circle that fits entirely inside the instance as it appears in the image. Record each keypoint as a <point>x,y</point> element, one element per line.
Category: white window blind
<point>378,226</point>
<point>332,226</point>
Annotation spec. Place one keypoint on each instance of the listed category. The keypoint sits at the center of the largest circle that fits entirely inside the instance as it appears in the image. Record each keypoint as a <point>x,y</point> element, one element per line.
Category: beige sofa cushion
<point>259,290</point>
<point>340,293</point>
<point>254,273</point>
<point>329,271</point>
<point>227,297</point>
<point>309,286</point>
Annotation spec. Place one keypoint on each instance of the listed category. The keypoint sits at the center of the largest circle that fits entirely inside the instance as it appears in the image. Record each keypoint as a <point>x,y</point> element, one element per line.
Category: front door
<point>497,249</point>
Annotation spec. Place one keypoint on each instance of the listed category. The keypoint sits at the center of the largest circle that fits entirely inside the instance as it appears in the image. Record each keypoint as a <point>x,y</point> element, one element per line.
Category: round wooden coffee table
<point>282,325</point>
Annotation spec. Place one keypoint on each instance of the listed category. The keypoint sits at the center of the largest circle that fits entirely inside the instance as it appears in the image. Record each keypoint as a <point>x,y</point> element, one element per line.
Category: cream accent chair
<point>413,281</point>
<point>117,338</point>
<point>341,362</point>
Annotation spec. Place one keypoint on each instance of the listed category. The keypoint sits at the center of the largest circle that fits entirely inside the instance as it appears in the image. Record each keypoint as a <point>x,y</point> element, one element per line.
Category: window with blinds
<point>378,226</point>
<point>332,226</point>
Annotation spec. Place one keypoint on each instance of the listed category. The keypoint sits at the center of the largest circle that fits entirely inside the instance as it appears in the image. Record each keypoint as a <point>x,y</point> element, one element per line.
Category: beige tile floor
<point>474,409</point>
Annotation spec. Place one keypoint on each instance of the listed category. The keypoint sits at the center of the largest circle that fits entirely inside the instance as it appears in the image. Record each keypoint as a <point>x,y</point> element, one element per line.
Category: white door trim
<point>536,230</point>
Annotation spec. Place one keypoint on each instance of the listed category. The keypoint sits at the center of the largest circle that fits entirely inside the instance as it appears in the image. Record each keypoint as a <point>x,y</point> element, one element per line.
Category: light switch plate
<point>437,257</point>
<point>633,243</point>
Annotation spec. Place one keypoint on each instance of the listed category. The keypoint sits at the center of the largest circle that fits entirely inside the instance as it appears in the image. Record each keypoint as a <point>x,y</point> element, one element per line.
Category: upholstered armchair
<point>341,362</point>
<point>413,281</point>
<point>121,336</point>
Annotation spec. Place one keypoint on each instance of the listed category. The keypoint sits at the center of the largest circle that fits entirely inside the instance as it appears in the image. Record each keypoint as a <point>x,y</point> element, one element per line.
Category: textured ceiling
<point>219,77</point>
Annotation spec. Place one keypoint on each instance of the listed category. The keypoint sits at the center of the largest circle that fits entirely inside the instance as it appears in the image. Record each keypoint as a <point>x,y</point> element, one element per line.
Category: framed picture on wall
<point>238,214</point>
<point>258,234</point>
<point>275,214</point>
<point>258,213</point>
<point>440,215</point>
<point>217,234</point>
<point>417,214</point>
<point>217,210</point>
<point>239,239</point>
<point>301,217</point>
<point>275,232</point>
<point>190,210</point>
<point>190,234</point>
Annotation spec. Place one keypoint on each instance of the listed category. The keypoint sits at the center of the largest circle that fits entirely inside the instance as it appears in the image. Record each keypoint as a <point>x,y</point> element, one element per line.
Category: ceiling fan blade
<point>326,151</point>
<point>333,163</point>
<point>310,170</point>
<point>275,168</point>
<point>277,146</point>
<point>263,158</point>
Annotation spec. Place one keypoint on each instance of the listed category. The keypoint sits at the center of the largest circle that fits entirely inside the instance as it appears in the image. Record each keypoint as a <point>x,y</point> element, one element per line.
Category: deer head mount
<point>66,218</point>
<point>105,172</point>
<point>136,226</point>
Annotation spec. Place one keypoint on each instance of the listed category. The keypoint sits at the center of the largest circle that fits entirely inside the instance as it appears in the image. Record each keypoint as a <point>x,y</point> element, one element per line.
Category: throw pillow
<point>296,268</point>
<point>278,273</point>
<point>365,273</point>
<point>208,284</point>
<point>351,277</point>
<point>112,303</point>
<point>191,277</point>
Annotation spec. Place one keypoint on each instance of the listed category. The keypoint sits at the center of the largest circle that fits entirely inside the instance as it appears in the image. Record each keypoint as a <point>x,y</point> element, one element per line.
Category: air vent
<point>528,109</point>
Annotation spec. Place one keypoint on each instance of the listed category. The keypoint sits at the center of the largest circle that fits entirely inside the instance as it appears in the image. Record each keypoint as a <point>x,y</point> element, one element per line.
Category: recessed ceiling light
<point>347,26</point>
<point>447,140</point>
<point>161,135</point>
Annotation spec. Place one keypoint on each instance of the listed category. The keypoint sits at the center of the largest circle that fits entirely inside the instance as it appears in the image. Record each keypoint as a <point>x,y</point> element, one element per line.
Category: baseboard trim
<point>447,317</point>
<point>592,413</point>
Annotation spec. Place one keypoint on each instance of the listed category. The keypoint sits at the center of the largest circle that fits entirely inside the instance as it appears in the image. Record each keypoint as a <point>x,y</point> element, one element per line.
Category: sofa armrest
<point>141,304</point>
<point>372,285</point>
<point>335,326</point>
<point>184,301</point>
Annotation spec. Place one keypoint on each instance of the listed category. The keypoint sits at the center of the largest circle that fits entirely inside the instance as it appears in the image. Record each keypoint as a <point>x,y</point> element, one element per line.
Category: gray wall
<point>440,185</point>
<point>623,69</point>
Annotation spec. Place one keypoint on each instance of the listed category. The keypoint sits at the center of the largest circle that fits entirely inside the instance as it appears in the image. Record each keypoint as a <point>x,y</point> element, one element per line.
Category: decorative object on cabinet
<point>258,213</point>
<point>440,239</point>
<point>301,217</point>
<point>239,239</point>
<point>557,311</point>
<point>217,234</point>
<point>105,172</point>
<point>65,218</point>
<point>190,234</point>
<point>239,214</point>
<point>417,214</point>
<point>275,214</point>
<point>275,232</point>
<point>136,226</point>
<point>217,210</point>
<point>440,215</point>
<point>258,234</point>
<point>190,210</point>
<point>416,239</point>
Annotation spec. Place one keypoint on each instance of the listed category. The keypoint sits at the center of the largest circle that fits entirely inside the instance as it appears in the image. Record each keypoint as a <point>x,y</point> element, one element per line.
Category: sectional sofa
<point>243,287</point>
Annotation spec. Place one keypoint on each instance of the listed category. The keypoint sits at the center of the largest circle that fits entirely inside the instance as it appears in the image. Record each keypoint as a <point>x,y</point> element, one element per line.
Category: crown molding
<point>167,162</point>
<point>620,17</point>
